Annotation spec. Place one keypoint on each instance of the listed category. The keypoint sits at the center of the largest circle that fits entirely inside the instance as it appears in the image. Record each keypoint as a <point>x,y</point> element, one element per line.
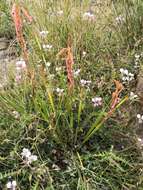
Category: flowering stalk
<point>115,96</point>
<point>16,15</point>
<point>67,53</point>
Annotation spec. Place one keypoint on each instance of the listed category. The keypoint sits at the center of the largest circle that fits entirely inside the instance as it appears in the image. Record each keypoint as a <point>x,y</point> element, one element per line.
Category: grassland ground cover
<point>71,113</point>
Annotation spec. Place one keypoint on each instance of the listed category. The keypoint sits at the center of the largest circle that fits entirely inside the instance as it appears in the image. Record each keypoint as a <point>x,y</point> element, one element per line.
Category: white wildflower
<point>140,141</point>
<point>16,114</point>
<point>47,46</point>
<point>32,158</point>
<point>43,33</point>
<point>29,158</point>
<point>20,64</point>
<point>133,96</point>
<point>11,185</point>
<point>26,153</point>
<point>83,53</point>
<point>60,12</point>
<point>76,73</point>
<point>126,76</point>
<point>97,101</point>
<point>59,91</point>
<point>58,69</point>
<point>88,16</point>
<point>120,19</point>
<point>48,64</point>
<point>137,56</point>
<point>84,82</point>
<point>140,118</point>
<point>137,59</point>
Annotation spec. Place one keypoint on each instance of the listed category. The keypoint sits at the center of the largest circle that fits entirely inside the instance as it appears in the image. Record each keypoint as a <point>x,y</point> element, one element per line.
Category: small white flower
<point>20,64</point>
<point>47,46</point>
<point>60,12</point>
<point>133,96</point>
<point>48,64</point>
<point>88,82</point>
<point>11,185</point>
<point>76,73</point>
<point>121,70</point>
<point>14,183</point>
<point>83,82</point>
<point>126,72</point>
<point>131,75</point>
<point>59,91</point>
<point>43,33</point>
<point>58,69</point>
<point>32,158</point>
<point>97,101</point>
<point>139,139</point>
<point>26,153</point>
<point>16,114</point>
<point>119,19</point>
<point>84,53</point>
<point>137,56</point>
<point>29,158</point>
<point>88,15</point>
<point>55,167</point>
<point>8,185</point>
<point>140,118</point>
<point>126,76</point>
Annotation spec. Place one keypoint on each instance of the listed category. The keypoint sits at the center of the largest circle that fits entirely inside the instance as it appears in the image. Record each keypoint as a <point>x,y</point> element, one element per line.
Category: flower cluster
<point>16,114</point>
<point>137,58</point>
<point>59,91</point>
<point>47,46</point>
<point>126,76</point>
<point>97,101</point>
<point>29,158</point>
<point>60,12</point>
<point>133,96</point>
<point>88,16</point>
<point>76,73</point>
<point>43,33</point>
<point>47,64</point>
<point>11,184</point>
<point>85,82</point>
<point>20,66</point>
<point>120,19</point>
<point>140,118</point>
<point>58,69</point>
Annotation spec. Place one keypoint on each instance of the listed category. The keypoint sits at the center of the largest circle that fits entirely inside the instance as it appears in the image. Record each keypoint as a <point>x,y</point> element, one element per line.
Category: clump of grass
<point>57,112</point>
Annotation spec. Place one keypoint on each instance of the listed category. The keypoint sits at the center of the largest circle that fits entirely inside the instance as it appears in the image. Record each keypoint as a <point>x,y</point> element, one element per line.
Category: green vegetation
<point>65,119</point>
